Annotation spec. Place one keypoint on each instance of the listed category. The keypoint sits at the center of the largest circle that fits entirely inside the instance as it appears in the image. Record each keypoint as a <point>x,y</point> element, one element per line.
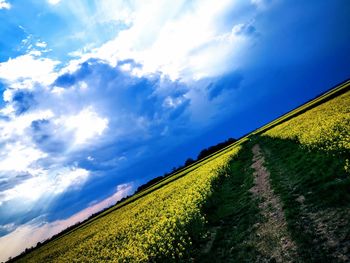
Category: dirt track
<point>273,239</point>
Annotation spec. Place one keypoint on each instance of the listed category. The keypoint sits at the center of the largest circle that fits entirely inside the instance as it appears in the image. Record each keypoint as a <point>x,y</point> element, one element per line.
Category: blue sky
<point>98,97</point>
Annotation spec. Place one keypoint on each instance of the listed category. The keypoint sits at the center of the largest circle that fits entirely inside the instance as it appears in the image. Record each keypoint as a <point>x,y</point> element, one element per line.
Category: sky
<point>98,97</point>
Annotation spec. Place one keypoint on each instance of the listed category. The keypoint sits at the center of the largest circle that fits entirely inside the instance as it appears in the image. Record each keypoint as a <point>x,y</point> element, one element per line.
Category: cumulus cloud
<point>46,128</point>
<point>24,71</point>
<point>37,135</point>
<point>23,136</point>
<point>38,230</point>
<point>18,157</point>
<point>135,102</point>
<point>4,4</point>
<point>231,81</point>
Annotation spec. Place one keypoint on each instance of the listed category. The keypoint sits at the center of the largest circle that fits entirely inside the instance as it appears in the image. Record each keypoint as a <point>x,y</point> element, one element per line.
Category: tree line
<point>202,154</point>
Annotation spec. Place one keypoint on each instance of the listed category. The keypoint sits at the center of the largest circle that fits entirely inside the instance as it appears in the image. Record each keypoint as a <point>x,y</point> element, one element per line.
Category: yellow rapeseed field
<point>325,127</point>
<point>155,227</point>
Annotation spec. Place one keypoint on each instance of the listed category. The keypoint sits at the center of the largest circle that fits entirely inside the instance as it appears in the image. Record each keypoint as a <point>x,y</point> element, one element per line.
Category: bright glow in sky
<point>95,93</point>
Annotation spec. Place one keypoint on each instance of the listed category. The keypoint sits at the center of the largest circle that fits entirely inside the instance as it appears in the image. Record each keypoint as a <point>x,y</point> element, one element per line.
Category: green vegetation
<point>314,188</point>
<point>232,213</point>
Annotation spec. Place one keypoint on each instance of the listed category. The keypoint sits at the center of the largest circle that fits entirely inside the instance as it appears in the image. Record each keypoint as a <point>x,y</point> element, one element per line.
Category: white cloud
<point>23,71</point>
<point>72,127</point>
<point>18,157</point>
<point>17,125</point>
<point>35,53</point>
<point>4,4</point>
<point>21,155</point>
<point>85,125</point>
<point>69,177</point>
<point>36,231</point>
<point>41,44</point>
<point>18,153</point>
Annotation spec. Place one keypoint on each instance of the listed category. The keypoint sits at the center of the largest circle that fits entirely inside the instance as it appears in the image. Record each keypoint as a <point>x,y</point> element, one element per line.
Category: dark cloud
<point>67,80</point>
<point>22,101</point>
<point>130,62</point>
<point>9,182</point>
<point>228,82</point>
<point>120,92</point>
<point>44,135</point>
<point>179,110</point>
<point>6,229</point>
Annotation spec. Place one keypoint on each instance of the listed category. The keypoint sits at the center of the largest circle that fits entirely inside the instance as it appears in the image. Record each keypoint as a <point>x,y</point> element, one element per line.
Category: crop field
<point>279,194</point>
<point>161,225</point>
<point>325,128</point>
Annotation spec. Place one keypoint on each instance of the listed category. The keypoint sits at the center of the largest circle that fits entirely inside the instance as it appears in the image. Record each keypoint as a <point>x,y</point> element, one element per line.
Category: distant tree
<point>149,183</point>
<point>212,149</point>
<point>189,161</point>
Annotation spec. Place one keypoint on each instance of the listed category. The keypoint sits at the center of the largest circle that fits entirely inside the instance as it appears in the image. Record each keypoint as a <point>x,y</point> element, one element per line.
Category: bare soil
<point>332,230</point>
<point>273,239</point>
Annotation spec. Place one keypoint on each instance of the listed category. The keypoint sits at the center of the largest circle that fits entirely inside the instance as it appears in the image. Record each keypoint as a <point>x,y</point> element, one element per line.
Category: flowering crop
<point>155,227</point>
<point>325,127</point>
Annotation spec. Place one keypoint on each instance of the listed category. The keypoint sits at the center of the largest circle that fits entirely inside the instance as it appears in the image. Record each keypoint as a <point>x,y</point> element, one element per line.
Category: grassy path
<point>246,222</point>
<point>274,239</point>
<point>232,214</point>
